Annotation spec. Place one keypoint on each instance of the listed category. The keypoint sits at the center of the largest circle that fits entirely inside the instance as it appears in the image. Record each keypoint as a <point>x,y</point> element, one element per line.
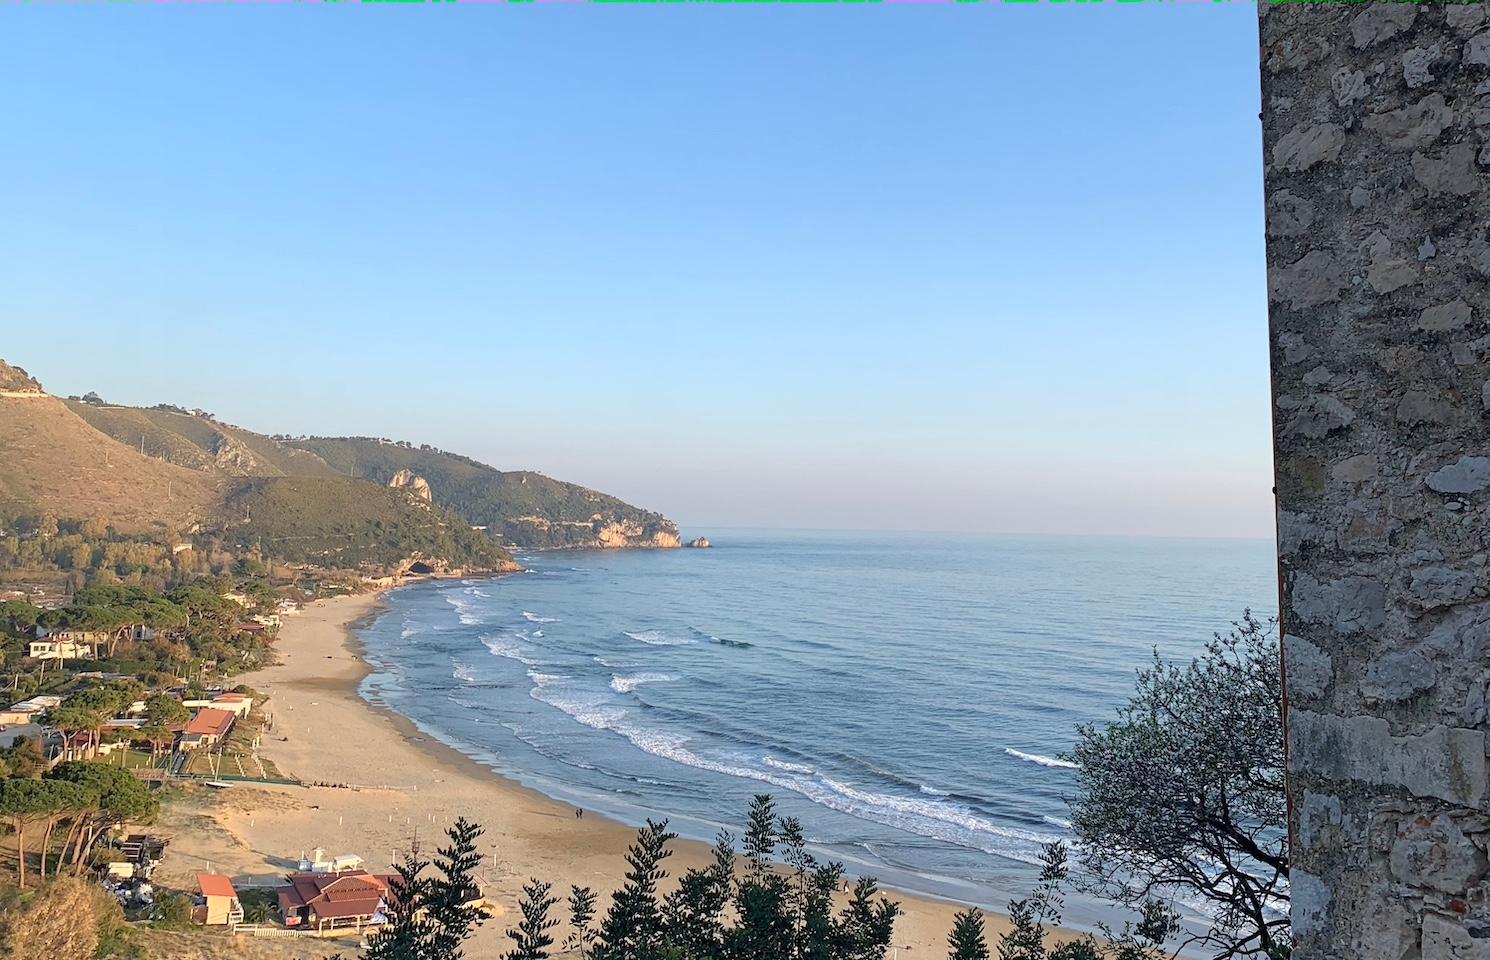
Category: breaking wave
<point>627,684</point>
<point>657,638</point>
<point>535,618</point>
<point>1042,761</point>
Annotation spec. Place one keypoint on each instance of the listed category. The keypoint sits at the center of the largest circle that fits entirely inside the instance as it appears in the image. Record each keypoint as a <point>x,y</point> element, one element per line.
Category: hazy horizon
<point>911,269</point>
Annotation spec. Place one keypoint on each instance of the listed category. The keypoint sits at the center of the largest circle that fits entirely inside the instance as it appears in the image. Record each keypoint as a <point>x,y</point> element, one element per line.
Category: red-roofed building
<point>328,901</point>
<point>218,904</point>
<point>207,727</point>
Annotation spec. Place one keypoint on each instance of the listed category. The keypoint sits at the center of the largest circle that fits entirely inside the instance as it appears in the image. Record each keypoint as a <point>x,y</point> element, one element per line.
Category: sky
<point>953,267</point>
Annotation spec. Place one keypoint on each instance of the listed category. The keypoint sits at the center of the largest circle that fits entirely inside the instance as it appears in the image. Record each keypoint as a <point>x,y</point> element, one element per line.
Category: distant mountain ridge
<point>524,509</point>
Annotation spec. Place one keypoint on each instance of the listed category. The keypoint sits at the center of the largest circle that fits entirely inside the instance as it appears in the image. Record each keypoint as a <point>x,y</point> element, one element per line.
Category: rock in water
<point>700,542</point>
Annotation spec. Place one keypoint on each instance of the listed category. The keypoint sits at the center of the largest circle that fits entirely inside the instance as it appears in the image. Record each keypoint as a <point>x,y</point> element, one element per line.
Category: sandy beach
<point>325,732</point>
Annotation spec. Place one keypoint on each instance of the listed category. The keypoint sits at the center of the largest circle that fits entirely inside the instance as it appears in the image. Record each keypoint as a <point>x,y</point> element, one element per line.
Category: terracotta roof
<point>216,885</point>
<point>210,721</point>
<point>334,895</point>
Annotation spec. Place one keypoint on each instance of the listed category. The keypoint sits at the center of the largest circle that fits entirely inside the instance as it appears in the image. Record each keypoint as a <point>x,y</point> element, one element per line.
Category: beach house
<point>218,904</point>
<point>53,644</point>
<point>333,901</point>
<point>206,728</point>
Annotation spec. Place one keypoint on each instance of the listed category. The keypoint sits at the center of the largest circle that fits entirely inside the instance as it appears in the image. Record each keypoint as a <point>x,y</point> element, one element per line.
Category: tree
<point>1030,920</point>
<point>114,796</point>
<point>163,710</point>
<point>531,936</point>
<point>632,929</point>
<point>866,925</point>
<point>453,895</point>
<point>25,803</point>
<point>581,937</point>
<point>967,940</point>
<point>431,917</point>
<point>406,935</point>
<point>1183,792</point>
<point>693,914</point>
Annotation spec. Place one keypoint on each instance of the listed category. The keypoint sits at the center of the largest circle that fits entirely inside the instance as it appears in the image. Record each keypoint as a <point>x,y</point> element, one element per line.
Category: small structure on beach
<point>318,862</point>
<point>218,903</point>
<point>333,901</point>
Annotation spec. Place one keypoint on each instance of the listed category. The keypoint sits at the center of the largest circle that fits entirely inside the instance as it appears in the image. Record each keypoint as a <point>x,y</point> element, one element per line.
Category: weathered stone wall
<point>1375,123</point>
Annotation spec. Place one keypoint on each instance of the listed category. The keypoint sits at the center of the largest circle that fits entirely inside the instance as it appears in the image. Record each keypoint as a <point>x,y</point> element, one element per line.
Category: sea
<point>909,697</point>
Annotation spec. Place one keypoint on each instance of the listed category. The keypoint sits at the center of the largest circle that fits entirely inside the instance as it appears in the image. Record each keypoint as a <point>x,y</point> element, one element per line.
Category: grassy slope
<point>51,460</point>
<point>486,496</point>
<point>195,442</point>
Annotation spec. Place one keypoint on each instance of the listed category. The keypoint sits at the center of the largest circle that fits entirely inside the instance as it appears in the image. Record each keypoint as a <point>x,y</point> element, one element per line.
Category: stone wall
<point>1375,123</point>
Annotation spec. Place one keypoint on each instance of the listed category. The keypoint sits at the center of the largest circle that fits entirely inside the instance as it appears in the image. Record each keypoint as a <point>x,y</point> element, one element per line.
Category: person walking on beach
<point>579,813</point>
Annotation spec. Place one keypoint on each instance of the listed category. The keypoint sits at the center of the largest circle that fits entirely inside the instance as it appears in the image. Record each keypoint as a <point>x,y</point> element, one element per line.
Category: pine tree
<point>967,940</point>
<point>760,836</point>
<point>531,935</point>
<point>693,914</point>
<point>866,924</point>
<point>406,935</point>
<point>452,894</point>
<point>581,937</point>
<point>632,929</point>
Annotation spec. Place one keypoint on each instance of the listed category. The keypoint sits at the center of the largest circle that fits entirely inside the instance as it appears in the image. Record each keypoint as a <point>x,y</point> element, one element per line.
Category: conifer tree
<point>632,929</point>
<point>531,937</point>
<point>407,933</point>
<point>452,895</point>
<point>581,937</point>
<point>967,940</point>
<point>693,914</point>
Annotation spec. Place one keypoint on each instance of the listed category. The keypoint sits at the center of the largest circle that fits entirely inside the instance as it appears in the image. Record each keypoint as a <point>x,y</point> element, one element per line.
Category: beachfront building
<point>238,704</point>
<point>333,901</point>
<point>28,710</point>
<point>206,728</point>
<point>217,905</point>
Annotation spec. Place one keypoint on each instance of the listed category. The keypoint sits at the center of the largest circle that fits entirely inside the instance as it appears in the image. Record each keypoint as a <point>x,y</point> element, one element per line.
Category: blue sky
<point>977,267</point>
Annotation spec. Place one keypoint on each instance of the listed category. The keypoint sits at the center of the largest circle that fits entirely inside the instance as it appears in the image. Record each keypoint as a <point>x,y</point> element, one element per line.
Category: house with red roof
<point>217,905</point>
<point>329,901</point>
<point>207,727</point>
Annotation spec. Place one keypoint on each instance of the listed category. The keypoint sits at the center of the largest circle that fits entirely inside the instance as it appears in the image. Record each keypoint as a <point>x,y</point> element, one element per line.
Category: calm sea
<point>907,696</point>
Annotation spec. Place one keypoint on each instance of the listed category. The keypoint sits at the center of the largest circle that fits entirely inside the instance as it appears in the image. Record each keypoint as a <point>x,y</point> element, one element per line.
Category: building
<point>330,901</point>
<point>53,644</point>
<point>206,728</point>
<point>318,862</point>
<point>238,704</point>
<point>218,904</point>
<point>28,710</point>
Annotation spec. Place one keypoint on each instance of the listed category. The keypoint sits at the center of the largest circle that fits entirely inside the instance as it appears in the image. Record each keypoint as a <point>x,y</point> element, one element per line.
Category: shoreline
<point>400,784</point>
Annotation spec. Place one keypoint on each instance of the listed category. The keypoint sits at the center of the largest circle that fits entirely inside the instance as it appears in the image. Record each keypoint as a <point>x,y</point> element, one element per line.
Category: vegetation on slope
<point>200,442</point>
<point>521,507</point>
<point>14,378</point>
<point>52,461</point>
<point>349,523</point>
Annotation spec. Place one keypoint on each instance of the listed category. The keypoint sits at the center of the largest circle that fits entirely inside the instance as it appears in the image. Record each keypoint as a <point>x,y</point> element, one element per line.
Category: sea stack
<point>700,542</point>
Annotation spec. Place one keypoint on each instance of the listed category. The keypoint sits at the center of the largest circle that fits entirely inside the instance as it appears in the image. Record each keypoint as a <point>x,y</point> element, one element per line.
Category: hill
<point>524,508</point>
<point>82,461</point>
<point>200,442</point>
<point>52,461</point>
<point>341,522</point>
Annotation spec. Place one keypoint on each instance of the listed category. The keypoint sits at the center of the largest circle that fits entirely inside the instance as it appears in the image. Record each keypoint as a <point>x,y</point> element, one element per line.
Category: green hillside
<point>520,507</point>
<point>340,522</point>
